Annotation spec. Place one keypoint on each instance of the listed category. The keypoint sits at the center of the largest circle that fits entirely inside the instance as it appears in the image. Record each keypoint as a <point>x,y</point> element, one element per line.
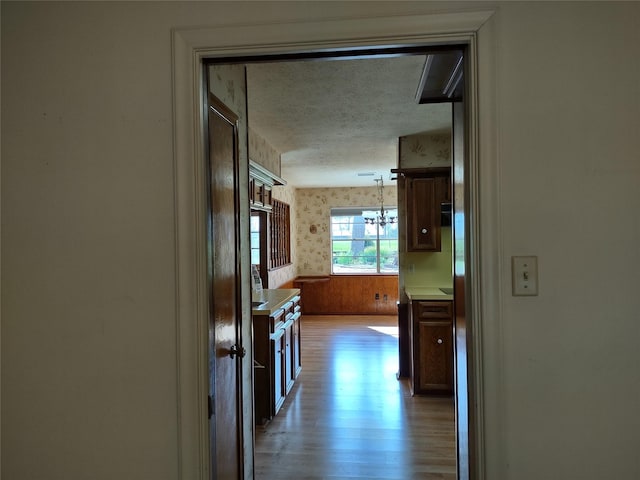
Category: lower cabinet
<point>277,360</point>
<point>431,327</point>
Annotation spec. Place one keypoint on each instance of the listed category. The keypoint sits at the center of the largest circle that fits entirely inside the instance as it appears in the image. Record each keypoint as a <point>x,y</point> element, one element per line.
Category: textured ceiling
<point>333,119</point>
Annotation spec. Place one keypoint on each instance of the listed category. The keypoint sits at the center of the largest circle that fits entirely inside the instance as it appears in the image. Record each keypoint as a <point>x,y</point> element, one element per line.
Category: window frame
<point>379,238</point>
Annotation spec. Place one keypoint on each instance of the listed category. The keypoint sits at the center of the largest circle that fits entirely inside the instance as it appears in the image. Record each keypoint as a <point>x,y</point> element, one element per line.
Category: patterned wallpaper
<point>227,82</point>
<point>260,151</point>
<point>312,214</point>
<point>425,150</point>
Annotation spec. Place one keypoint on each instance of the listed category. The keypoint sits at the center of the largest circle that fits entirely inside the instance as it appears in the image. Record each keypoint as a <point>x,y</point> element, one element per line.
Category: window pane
<point>255,239</point>
<point>359,243</point>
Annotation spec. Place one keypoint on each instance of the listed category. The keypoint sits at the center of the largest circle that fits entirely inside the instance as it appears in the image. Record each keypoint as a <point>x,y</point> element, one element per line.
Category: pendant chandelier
<point>383,217</point>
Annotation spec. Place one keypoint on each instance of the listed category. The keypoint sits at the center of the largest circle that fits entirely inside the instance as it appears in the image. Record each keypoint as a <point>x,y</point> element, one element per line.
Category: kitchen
<point>424,275</point>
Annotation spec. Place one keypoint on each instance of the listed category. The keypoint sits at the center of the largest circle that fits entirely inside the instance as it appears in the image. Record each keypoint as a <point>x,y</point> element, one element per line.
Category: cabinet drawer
<point>288,308</point>
<point>434,310</point>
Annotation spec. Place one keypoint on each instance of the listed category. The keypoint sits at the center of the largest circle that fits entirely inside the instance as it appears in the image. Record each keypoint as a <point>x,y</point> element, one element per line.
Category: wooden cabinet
<point>259,194</point>
<point>261,182</point>
<point>431,330</point>
<point>424,195</point>
<point>277,359</point>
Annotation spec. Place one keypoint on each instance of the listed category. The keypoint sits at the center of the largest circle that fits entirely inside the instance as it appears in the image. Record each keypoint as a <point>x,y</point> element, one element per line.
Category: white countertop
<point>426,293</point>
<point>274,299</point>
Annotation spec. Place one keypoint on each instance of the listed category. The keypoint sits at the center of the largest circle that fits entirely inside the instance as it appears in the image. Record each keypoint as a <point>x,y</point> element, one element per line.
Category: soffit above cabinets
<point>442,78</point>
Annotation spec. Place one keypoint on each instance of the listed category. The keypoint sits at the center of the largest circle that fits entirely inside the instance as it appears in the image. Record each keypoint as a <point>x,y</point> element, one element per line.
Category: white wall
<point>88,309</point>
<point>568,130</point>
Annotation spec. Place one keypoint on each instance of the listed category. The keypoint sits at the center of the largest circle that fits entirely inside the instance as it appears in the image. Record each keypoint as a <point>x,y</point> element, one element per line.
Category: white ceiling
<point>334,119</point>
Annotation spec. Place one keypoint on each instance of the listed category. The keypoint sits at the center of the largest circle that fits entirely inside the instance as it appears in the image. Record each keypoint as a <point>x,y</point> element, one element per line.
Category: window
<point>361,247</point>
<point>255,238</point>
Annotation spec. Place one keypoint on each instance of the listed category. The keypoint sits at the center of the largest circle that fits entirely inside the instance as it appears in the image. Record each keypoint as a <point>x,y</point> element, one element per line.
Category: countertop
<point>426,293</point>
<point>274,299</point>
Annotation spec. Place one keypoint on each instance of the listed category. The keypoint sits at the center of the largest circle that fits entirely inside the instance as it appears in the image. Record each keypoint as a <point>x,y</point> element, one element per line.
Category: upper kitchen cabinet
<point>427,193</point>
<point>261,182</point>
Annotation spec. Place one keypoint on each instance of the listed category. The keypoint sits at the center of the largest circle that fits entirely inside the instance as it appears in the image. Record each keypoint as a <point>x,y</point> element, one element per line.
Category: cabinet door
<point>277,372</point>
<point>297,360</point>
<point>423,214</point>
<point>434,372</point>
<point>288,358</point>
<point>443,193</point>
<point>256,194</point>
<point>266,196</point>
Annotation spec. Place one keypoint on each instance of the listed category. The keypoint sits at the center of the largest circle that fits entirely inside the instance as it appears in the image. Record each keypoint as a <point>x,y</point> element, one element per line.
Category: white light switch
<point>524,276</point>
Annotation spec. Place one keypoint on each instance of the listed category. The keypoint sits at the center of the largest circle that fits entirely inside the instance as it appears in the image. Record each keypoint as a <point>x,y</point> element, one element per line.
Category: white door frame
<point>190,48</point>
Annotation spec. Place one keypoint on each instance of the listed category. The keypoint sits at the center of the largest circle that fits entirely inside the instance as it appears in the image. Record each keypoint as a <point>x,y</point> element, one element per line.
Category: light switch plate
<point>524,276</point>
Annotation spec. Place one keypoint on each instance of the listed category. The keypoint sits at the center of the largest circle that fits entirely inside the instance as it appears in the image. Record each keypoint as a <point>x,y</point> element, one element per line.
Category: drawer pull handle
<point>424,230</point>
<point>439,341</point>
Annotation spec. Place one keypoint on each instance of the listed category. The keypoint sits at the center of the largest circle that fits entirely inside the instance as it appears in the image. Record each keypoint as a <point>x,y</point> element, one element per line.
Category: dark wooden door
<point>225,350</point>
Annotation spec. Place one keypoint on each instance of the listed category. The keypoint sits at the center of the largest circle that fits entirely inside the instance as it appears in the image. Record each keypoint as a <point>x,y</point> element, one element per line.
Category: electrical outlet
<point>385,297</point>
<point>377,296</point>
<point>524,276</point>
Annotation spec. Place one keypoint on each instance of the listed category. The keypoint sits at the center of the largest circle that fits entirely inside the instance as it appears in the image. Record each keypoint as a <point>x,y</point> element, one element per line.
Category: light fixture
<point>381,218</point>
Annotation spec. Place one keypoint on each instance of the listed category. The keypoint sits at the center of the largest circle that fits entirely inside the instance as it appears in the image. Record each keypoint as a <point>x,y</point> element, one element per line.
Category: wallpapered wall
<point>261,152</point>
<point>425,150</point>
<point>313,209</point>
<point>227,82</point>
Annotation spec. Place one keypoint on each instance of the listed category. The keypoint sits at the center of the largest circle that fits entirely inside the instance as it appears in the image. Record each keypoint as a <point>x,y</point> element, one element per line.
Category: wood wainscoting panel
<point>349,294</point>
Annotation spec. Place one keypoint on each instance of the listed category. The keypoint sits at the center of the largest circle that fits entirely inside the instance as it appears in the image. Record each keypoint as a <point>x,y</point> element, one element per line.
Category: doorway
<point>191,47</point>
<point>372,55</point>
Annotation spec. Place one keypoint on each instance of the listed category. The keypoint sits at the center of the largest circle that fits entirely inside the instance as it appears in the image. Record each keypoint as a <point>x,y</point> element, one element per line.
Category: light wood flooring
<point>348,417</point>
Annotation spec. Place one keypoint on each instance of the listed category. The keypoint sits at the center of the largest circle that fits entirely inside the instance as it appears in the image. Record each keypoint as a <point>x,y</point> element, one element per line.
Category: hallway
<point>348,417</point>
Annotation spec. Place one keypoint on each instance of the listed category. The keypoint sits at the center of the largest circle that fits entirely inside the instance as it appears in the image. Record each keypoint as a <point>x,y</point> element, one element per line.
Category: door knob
<point>236,350</point>
<point>439,341</point>
<point>424,230</point>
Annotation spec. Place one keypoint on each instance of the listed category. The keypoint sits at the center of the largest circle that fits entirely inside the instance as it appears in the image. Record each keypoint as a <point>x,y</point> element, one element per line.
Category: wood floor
<point>348,417</point>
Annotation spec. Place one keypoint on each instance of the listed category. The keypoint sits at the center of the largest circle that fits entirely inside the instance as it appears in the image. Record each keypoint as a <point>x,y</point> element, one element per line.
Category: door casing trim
<point>190,47</point>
